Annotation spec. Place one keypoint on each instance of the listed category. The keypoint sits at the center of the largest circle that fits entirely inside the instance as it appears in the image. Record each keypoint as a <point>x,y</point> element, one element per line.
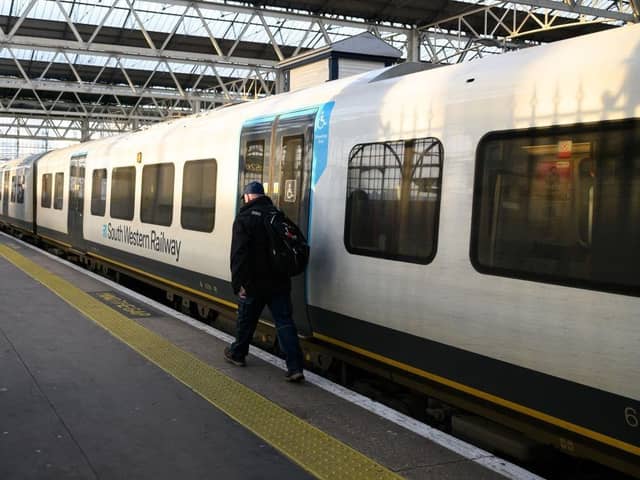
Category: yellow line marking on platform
<point>312,449</point>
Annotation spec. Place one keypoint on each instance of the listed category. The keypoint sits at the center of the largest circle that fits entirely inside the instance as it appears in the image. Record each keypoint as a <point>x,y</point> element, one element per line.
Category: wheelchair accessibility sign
<point>290,187</point>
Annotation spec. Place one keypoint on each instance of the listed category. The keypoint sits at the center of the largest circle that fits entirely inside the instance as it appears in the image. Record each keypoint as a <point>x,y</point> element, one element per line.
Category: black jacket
<point>250,266</point>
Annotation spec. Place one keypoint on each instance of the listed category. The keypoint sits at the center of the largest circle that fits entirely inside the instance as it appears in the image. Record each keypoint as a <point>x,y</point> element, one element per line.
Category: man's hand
<point>242,293</point>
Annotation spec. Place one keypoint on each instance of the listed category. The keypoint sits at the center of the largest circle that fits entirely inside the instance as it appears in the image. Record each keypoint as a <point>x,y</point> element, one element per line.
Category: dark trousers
<point>249,311</point>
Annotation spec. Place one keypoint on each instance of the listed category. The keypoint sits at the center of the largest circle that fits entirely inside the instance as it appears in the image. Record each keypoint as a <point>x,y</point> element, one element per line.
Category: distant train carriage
<point>17,193</point>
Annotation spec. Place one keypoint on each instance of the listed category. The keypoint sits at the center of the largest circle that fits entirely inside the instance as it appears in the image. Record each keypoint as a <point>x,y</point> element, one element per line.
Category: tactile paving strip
<point>315,451</point>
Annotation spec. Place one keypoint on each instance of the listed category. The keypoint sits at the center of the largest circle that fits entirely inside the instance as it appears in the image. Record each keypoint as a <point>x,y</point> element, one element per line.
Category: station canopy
<point>80,69</point>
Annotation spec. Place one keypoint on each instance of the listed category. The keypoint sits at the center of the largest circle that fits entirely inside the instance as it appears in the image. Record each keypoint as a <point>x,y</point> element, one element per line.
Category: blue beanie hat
<point>254,187</point>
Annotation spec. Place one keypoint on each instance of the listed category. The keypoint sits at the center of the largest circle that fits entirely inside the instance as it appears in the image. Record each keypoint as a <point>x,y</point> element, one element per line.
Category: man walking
<point>257,284</point>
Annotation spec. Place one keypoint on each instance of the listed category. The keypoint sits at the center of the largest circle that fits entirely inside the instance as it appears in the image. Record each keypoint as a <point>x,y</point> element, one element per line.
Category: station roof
<point>156,55</point>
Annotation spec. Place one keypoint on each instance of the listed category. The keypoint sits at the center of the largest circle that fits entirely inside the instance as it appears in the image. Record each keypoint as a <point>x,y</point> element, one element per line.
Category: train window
<point>47,183</point>
<point>20,188</point>
<point>560,205</point>
<point>14,188</point>
<point>17,188</point>
<point>157,194</point>
<point>254,162</point>
<point>393,199</point>
<point>58,191</point>
<point>199,195</point>
<point>123,187</point>
<point>99,192</point>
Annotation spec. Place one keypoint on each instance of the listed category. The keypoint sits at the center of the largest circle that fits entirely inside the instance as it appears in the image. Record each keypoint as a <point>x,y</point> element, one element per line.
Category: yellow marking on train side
<point>165,281</point>
<point>66,245</point>
<point>486,396</point>
<point>315,451</point>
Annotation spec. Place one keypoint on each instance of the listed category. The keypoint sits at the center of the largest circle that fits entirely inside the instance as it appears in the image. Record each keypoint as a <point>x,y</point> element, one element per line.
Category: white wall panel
<point>309,75</point>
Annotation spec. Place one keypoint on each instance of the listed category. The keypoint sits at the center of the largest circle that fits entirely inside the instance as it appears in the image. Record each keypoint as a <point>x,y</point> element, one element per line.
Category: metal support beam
<point>285,15</point>
<point>85,132</point>
<point>578,8</point>
<point>413,46</point>
<point>100,89</point>
<point>174,56</point>
<point>507,26</point>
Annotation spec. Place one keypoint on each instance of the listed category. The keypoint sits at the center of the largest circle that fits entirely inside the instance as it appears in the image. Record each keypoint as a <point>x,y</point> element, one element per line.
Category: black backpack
<point>288,249</point>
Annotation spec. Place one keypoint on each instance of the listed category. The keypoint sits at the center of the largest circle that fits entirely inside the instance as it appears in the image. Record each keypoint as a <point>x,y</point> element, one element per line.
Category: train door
<point>278,152</point>
<point>292,183</point>
<point>5,194</point>
<point>76,200</point>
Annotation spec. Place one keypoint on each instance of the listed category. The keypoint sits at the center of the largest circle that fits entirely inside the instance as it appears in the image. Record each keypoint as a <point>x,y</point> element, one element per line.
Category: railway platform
<point>98,382</point>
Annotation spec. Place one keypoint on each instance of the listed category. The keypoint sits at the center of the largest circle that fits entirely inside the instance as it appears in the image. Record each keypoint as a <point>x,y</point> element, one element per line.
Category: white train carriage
<point>17,194</point>
<point>475,225</point>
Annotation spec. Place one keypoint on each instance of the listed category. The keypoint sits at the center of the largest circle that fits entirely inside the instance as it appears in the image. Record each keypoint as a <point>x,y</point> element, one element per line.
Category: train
<point>476,226</point>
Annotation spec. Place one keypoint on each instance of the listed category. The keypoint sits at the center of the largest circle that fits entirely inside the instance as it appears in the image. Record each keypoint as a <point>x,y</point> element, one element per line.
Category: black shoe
<point>296,377</point>
<point>230,359</point>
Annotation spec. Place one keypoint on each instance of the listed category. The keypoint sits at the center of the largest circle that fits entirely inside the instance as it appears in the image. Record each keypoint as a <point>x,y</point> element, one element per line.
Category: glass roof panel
<point>43,10</point>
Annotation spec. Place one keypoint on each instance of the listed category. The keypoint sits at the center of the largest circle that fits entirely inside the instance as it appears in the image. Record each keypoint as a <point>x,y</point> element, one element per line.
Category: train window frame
<point>46,199</point>
<point>14,189</point>
<point>20,186</point>
<point>58,191</point>
<point>214,183</point>
<point>533,133</point>
<point>154,207</point>
<point>99,202</point>
<point>127,203</point>
<point>436,186</point>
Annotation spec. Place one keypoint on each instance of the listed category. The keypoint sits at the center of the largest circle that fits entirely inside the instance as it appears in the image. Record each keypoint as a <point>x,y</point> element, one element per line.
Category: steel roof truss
<point>266,89</point>
<point>302,40</point>
<point>46,69</point>
<point>102,22</point>
<point>197,82</point>
<point>174,30</point>
<point>499,21</point>
<point>55,102</point>
<point>134,109</point>
<point>26,77</point>
<point>274,44</point>
<point>225,91</point>
<point>126,76</point>
<point>75,72</point>
<point>145,34</point>
<point>21,19</point>
<point>212,38</point>
<point>81,103</point>
<point>102,69</point>
<point>175,80</point>
<point>281,14</point>
<point>153,72</point>
<point>69,22</point>
<point>13,99</point>
<point>239,37</point>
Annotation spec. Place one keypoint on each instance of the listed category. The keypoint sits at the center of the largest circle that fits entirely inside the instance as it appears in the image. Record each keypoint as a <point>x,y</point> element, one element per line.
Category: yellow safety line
<point>315,451</point>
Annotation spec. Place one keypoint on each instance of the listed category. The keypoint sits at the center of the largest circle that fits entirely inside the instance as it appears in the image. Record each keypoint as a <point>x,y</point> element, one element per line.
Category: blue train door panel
<point>277,151</point>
